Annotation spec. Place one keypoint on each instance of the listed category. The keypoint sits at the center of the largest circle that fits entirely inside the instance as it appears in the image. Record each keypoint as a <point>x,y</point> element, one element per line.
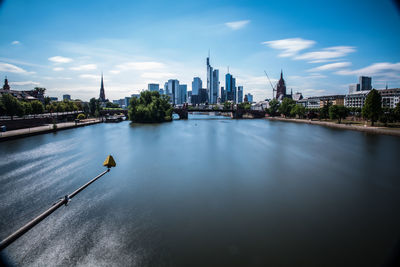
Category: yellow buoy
<point>109,162</point>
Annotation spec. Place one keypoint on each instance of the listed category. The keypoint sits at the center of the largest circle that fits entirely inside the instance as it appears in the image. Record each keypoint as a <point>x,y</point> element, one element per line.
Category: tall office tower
<point>215,87</point>
<point>365,83</point>
<point>183,93</point>
<point>230,87</point>
<point>223,95</point>
<point>166,88</point>
<point>240,94</point>
<point>173,89</point>
<point>249,97</point>
<point>153,87</point>
<point>197,84</point>
<point>102,97</point>
<point>212,82</point>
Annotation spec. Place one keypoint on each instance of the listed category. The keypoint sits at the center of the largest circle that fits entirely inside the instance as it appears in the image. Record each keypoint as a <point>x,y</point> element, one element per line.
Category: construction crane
<point>273,88</point>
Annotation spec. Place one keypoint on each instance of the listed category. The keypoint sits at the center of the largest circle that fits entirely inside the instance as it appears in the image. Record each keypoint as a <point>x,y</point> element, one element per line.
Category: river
<point>208,191</point>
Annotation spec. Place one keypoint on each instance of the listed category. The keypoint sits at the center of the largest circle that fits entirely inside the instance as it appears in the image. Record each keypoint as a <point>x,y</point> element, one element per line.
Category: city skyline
<point>66,49</point>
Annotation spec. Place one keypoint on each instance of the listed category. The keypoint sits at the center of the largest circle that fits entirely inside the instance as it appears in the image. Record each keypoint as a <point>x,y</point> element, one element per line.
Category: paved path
<point>361,128</point>
<point>44,129</point>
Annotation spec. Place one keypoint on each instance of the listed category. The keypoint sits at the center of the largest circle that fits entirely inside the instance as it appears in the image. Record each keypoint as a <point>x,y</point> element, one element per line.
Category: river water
<point>208,191</point>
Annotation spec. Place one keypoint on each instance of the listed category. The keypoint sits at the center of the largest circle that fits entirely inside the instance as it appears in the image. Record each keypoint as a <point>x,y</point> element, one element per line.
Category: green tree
<point>273,107</point>
<point>298,110</point>
<point>286,106</point>
<point>338,112</point>
<point>324,111</point>
<point>94,105</point>
<point>244,106</point>
<point>397,112</point>
<point>11,105</point>
<point>372,109</point>
<point>47,101</point>
<point>150,107</point>
<point>227,105</point>
<point>27,107</point>
<point>37,107</point>
<point>111,105</point>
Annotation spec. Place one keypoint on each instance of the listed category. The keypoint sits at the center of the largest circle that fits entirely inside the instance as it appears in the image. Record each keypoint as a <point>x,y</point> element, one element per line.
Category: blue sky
<point>322,46</point>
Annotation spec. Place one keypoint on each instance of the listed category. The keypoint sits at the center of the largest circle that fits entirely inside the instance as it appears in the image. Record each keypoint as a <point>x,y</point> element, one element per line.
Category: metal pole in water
<point>109,163</point>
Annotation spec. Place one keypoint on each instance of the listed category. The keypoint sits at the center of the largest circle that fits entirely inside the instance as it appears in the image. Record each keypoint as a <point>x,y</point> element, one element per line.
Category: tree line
<point>372,110</point>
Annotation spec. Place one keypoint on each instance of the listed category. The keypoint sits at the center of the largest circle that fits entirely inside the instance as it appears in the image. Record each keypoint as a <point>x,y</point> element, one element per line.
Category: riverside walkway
<point>45,129</point>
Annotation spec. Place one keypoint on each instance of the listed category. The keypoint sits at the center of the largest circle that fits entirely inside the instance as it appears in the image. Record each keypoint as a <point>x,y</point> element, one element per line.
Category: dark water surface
<point>202,192</point>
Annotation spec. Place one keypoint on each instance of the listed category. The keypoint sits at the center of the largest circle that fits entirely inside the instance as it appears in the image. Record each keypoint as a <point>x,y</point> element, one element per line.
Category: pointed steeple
<point>102,94</point>
<point>281,74</point>
<point>6,86</point>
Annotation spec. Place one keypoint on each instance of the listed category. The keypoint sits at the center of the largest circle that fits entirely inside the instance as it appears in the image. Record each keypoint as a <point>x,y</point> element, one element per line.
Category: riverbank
<point>361,128</point>
<point>15,134</point>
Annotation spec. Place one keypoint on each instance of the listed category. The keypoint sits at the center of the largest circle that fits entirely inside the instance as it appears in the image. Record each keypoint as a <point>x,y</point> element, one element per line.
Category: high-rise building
<point>230,87</point>
<point>249,98</point>
<point>174,92</point>
<point>212,82</point>
<point>223,94</point>
<point>153,87</point>
<point>240,94</point>
<point>365,83</point>
<point>66,97</point>
<point>183,93</point>
<point>102,97</point>
<point>197,84</point>
<point>166,88</point>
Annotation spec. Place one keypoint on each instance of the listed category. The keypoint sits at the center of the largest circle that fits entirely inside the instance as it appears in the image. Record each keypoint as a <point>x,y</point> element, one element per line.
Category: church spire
<point>102,94</point>
<point>6,86</point>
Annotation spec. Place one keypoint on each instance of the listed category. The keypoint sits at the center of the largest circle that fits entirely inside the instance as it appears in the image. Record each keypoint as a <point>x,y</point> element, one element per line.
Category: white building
<point>355,100</point>
<point>390,97</point>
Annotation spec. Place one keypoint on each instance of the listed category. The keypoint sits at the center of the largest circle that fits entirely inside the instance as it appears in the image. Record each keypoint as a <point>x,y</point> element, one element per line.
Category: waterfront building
<point>197,84</point>
<point>355,100</point>
<point>240,94</point>
<point>203,95</point>
<point>390,97</point>
<point>66,97</point>
<point>297,96</point>
<point>183,93</point>
<point>27,95</point>
<point>153,87</point>
<point>102,97</point>
<point>320,101</point>
<point>174,92</point>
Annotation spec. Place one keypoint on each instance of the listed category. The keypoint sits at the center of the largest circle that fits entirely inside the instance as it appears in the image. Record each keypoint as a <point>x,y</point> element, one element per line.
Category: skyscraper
<point>230,87</point>
<point>197,84</point>
<point>183,93</point>
<point>240,94</point>
<point>102,97</point>
<point>365,83</point>
<point>153,87</point>
<point>212,82</point>
<point>173,91</point>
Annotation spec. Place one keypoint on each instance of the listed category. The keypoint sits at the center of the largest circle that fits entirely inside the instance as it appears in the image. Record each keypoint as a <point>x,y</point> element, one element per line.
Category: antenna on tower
<point>228,69</point>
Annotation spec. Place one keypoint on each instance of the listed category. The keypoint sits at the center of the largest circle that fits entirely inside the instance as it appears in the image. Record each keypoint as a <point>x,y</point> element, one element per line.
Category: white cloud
<point>25,83</point>
<point>331,66</point>
<point>115,71</point>
<point>60,59</point>
<point>15,42</point>
<point>157,75</point>
<point>290,46</point>
<point>11,68</point>
<point>85,67</point>
<point>144,65</point>
<point>327,53</point>
<point>90,76</point>
<point>58,69</point>
<point>236,25</point>
<point>383,69</point>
